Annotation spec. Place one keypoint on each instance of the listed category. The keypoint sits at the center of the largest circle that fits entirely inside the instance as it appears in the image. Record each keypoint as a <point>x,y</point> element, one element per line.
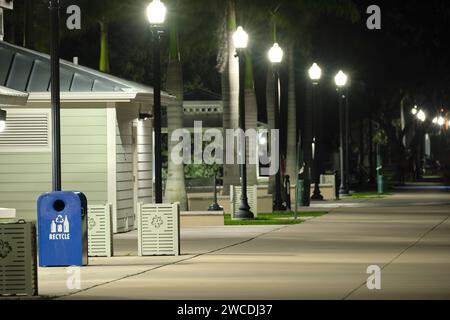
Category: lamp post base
<point>343,192</point>
<point>244,212</point>
<point>278,207</point>
<point>215,207</point>
<point>317,195</point>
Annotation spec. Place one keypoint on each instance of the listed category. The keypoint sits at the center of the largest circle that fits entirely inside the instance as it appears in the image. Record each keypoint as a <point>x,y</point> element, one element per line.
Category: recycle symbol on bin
<point>92,223</point>
<point>5,249</point>
<point>157,222</point>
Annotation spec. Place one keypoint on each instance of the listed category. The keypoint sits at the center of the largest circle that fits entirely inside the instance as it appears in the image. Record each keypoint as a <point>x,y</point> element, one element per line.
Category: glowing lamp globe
<point>276,54</point>
<point>421,115</point>
<point>156,12</point>
<point>341,79</point>
<point>315,73</point>
<point>240,38</point>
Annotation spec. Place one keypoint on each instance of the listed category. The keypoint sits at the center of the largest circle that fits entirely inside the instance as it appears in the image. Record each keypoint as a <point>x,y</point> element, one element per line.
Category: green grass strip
<point>370,195</point>
<point>282,218</point>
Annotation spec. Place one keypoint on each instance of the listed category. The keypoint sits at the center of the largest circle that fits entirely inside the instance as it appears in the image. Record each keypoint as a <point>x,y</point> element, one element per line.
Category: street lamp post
<point>347,142</point>
<point>417,149</point>
<point>341,80</point>
<point>156,14</point>
<point>315,74</point>
<point>276,57</point>
<point>55,95</point>
<point>422,117</point>
<point>215,205</point>
<point>240,39</point>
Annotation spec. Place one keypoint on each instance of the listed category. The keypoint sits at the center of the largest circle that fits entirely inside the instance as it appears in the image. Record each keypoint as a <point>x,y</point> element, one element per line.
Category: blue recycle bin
<point>62,225</point>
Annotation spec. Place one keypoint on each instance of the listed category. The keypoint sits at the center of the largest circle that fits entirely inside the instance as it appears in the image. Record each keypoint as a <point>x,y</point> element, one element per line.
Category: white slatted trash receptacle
<point>100,235</point>
<point>158,229</point>
<point>18,259</point>
<point>329,180</point>
<point>235,199</point>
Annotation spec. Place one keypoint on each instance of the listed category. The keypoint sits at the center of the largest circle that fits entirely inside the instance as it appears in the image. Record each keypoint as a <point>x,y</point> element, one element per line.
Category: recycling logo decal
<point>92,223</point>
<point>5,249</point>
<point>157,222</point>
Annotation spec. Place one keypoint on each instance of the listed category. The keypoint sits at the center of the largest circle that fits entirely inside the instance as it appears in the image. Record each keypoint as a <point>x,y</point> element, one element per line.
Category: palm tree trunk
<point>28,27</point>
<point>292,132</point>
<point>175,184</point>
<point>270,101</point>
<point>251,120</point>
<point>230,96</point>
<point>104,48</point>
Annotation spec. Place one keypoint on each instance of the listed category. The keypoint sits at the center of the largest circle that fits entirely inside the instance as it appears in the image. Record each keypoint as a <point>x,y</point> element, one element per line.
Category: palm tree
<point>229,68</point>
<point>292,133</point>
<point>295,18</point>
<point>253,17</point>
<point>175,184</point>
<point>101,13</point>
<point>104,65</point>
<point>251,119</point>
<point>270,94</point>
<point>270,106</point>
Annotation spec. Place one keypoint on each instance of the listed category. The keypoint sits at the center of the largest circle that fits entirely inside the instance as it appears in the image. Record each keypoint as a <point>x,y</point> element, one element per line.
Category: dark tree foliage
<point>404,63</point>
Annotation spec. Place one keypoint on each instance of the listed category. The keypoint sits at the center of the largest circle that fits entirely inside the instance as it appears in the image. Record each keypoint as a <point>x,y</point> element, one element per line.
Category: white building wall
<point>26,173</point>
<point>145,161</point>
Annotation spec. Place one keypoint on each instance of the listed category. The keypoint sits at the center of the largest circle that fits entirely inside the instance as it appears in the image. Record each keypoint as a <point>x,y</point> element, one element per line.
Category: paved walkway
<point>323,258</point>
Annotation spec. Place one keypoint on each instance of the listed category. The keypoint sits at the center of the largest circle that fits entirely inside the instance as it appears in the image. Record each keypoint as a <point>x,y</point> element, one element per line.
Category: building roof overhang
<point>10,97</point>
<point>26,70</point>
<point>86,97</point>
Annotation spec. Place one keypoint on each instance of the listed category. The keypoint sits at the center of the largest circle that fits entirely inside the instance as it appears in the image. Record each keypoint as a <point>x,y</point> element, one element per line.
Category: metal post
<point>371,170</point>
<point>347,143</point>
<point>156,33</point>
<point>361,153</point>
<point>287,187</point>
<point>55,95</point>
<point>416,153</point>
<point>308,177</point>
<point>278,202</point>
<point>380,178</point>
<point>215,206</point>
<point>421,152</point>
<point>342,190</point>
<point>316,161</point>
<point>244,212</point>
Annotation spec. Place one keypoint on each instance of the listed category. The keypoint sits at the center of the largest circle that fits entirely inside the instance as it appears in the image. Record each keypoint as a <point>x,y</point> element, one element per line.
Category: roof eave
<point>83,97</point>
<point>13,101</point>
<point>10,97</point>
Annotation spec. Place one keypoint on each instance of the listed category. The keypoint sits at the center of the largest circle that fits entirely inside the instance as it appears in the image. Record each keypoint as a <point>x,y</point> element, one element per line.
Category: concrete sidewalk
<point>323,258</point>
